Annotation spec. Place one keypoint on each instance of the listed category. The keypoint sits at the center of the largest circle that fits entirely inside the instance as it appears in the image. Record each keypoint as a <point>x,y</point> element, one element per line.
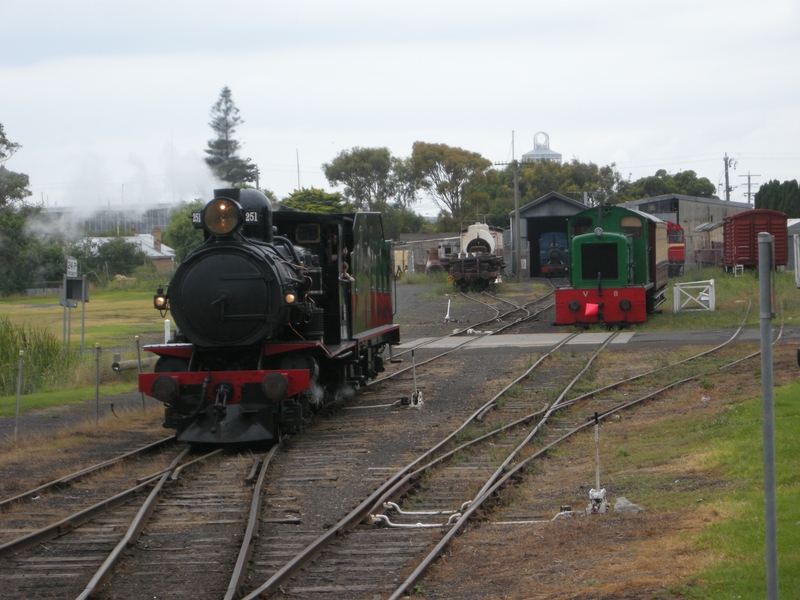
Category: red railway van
<point>740,236</point>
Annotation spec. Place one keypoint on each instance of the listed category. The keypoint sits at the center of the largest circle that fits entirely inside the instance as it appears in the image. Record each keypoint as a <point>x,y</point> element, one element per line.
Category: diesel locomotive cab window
<point>582,225</point>
<point>307,233</point>
<point>599,258</point>
<point>631,225</point>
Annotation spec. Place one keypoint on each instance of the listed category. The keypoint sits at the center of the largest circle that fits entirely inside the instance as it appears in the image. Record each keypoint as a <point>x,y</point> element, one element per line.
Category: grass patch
<point>740,538</point>
<point>59,398</point>
<point>43,361</point>
<point>733,294</point>
<point>710,466</point>
<point>113,317</point>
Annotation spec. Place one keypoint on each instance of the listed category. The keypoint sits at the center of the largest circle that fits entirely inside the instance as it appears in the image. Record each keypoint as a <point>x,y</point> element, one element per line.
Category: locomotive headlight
<point>625,304</point>
<point>222,216</point>
<point>160,299</point>
<point>290,298</point>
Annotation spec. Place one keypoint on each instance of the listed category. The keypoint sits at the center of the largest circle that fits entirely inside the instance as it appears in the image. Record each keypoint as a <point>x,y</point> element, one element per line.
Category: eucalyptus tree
<point>450,175</point>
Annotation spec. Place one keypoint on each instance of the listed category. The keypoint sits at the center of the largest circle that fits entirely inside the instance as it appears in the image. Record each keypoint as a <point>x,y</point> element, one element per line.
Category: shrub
<point>43,362</point>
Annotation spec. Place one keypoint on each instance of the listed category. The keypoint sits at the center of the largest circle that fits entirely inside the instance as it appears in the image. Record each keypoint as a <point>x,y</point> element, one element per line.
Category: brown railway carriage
<point>740,237</point>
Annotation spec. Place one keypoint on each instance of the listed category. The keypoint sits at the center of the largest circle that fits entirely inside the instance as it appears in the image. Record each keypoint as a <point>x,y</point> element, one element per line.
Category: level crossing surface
<point>548,340</point>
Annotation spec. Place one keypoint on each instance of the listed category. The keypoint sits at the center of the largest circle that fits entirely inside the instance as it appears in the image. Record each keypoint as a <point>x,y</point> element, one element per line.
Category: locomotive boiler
<point>272,321</point>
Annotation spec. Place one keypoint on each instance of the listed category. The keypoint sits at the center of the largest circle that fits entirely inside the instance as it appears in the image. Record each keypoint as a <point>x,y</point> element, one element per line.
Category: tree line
<point>463,184</point>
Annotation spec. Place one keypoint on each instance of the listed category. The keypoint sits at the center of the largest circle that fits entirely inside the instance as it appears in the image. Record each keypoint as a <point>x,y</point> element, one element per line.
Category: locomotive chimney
<point>157,239</point>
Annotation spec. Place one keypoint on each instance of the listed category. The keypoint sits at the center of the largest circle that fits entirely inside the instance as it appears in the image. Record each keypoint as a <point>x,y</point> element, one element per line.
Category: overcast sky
<point>111,99</point>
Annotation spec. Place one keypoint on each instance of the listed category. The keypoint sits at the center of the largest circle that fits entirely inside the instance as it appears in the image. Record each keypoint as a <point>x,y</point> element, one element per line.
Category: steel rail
<point>73,477</point>
<point>485,322</point>
<point>73,521</point>
<point>401,480</point>
<point>69,523</point>
<point>404,479</point>
<point>453,349</point>
<point>635,377</point>
<point>499,299</point>
<point>553,407</point>
<point>239,570</point>
<point>488,492</point>
<point>137,526</point>
<point>560,401</point>
<point>486,304</point>
<point>130,537</point>
<point>478,501</point>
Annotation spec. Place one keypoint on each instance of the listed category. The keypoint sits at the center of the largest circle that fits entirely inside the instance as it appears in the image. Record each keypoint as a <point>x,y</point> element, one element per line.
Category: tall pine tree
<point>223,157</point>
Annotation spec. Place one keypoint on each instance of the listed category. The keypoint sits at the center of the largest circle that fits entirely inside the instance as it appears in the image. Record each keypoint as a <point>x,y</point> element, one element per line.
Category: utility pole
<point>297,153</point>
<point>517,235</point>
<point>748,193</point>
<point>729,163</point>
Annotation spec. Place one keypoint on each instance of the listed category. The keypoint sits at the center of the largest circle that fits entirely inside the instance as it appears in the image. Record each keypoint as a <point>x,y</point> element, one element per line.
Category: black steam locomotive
<point>272,323</point>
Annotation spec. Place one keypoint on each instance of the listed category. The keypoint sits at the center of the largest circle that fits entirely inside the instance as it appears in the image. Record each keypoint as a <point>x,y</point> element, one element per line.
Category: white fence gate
<point>694,295</point>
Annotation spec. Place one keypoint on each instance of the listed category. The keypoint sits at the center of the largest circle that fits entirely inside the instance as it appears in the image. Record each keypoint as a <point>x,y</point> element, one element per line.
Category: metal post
<point>597,451</point>
<point>69,327</point>
<point>96,384</point>
<point>83,312</point>
<point>166,331</point>
<point>416,397</point>
<point>414,371</point>
<point>64,320</point>
<point>139,365</point>
<point>517,228</point>
<point>19,390</point>
<point>765,242</point>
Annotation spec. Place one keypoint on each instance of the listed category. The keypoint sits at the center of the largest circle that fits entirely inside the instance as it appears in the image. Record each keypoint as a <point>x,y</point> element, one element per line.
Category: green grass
<point>729,485</point>
<point>739,539</point>
<point>113,316</point>
<point>733,294</point>
<point>59,398</point>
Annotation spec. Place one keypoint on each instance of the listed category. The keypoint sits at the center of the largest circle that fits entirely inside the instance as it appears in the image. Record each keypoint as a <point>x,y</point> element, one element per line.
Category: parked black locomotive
<point>272,322</point>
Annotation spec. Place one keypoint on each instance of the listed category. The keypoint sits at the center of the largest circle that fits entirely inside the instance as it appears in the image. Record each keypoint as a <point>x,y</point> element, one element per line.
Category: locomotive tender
<point>618,267</point>
<point>270,324</point>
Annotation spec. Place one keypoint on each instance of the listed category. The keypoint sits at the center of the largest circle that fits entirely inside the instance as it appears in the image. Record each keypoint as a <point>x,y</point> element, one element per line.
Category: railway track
<point>371,560</point>
<point>52,540</point>
<point>320,477</point>
<point>66,481</point>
